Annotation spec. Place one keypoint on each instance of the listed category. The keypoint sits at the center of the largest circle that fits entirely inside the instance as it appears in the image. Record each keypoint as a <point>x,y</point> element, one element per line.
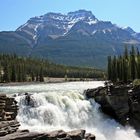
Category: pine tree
<point>109,68</point>
<point>19,75</point>
<point>132,63</point>
<point>6,76</point>
<point>41,79</point>
<point>13,74</point>
<point>126,53</point>
<point>138,53</point>
<point>125,67</point>
<point>32,76</point>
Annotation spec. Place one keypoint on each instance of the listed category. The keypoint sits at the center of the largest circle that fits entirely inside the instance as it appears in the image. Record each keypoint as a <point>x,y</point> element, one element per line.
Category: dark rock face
<point>8,108</point>
<point>120,102</point>
<point>8,113</point>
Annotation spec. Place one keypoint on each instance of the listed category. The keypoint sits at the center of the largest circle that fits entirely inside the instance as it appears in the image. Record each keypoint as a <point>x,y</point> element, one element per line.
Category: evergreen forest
<point>125,67</point>
<point>21,69</point>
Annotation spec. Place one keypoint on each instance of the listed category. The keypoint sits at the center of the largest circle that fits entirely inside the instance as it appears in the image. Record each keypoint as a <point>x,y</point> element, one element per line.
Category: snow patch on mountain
<point>36,31</point>
<point>92,22</point>
<point>22,26</point>
<point>94,32</point>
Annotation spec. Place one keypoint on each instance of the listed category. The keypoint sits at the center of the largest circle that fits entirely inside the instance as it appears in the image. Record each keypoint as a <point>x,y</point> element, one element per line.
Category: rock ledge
<point>122,102</point>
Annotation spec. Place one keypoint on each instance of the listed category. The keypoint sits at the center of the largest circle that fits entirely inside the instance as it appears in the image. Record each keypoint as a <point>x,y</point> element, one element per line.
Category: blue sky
<point>14,13</point>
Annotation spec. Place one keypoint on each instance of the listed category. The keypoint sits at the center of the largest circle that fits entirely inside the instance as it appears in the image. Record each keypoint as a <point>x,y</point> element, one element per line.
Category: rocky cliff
<point>8,113</point>
<point>122,102</point>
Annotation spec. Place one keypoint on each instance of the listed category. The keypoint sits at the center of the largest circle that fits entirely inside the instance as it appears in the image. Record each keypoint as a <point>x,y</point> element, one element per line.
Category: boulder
<point>57,134</point>
<point>89,136</point>
<point>8,127</point>
<point>77,134</point>
<point>21,135</point>
<point>54,135</point>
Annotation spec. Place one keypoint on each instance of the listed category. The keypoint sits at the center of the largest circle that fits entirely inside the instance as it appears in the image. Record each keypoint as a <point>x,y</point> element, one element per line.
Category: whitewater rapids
<point>64,106</point>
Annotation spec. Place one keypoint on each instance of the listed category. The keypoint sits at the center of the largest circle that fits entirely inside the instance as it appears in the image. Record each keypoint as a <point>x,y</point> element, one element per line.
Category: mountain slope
<point>77,38</point>
<point>11,42</point>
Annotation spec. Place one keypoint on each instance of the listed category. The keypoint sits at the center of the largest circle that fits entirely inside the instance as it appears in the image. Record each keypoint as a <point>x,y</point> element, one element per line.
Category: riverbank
<point>48,80</point>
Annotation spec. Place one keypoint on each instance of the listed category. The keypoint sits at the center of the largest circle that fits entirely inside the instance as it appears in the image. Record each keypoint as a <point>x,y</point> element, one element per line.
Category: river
<point>64,106</point>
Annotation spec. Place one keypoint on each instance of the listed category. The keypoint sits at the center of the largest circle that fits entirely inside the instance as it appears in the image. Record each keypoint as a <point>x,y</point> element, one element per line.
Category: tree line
<point>125,67</point>
<point>20,69</point>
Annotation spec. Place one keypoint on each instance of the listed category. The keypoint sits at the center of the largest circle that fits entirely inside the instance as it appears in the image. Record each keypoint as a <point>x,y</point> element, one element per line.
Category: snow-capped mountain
<point>59,21</point>
<point>55,24</point>
<point>76,38</point>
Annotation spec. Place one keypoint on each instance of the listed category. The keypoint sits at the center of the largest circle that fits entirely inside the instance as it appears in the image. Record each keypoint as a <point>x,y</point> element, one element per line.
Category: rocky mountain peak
<point>56,25</point>
<point>81,13</point>
<point>129,29</point>
<point>57,16</point>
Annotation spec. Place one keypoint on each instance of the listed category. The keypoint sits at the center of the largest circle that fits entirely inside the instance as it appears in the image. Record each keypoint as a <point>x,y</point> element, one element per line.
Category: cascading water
<point>64,106</point>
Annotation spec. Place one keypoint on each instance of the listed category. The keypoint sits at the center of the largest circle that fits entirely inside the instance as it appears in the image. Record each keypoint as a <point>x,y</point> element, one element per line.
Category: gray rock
<point>89,136</point>
<point>57,134</point>
<point>54,135</point>
<point>77,134</point>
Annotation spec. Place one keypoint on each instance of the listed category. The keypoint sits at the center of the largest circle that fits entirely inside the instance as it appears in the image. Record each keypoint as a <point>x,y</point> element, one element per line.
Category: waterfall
<point>64,106</point>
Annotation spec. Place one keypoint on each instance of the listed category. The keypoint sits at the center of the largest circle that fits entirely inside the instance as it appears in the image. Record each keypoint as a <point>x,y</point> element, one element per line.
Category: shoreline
<point>48,81</point>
